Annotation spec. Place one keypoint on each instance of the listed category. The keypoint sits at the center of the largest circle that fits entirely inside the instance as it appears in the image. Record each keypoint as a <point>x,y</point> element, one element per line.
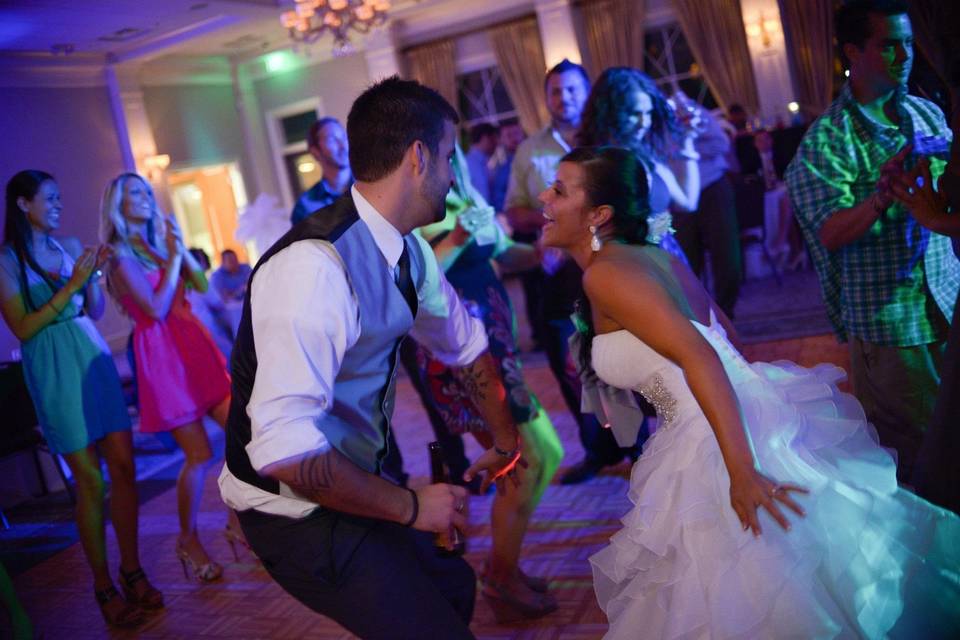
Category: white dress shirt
<point>305,316</point>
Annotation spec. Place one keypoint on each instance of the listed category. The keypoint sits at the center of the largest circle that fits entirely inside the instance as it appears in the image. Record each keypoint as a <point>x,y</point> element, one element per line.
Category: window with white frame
<point>670,62</point>
<point>483,97</point>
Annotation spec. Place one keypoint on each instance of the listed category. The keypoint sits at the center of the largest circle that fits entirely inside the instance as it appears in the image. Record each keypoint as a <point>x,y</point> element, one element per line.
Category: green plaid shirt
<point>897,284</point>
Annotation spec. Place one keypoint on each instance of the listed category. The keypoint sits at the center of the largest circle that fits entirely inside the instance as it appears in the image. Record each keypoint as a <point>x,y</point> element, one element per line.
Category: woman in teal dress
<point>48,294</point>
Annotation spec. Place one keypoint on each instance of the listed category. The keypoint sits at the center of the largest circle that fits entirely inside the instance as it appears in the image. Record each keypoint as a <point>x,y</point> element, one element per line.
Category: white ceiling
<point>147,29</point>
<point>126,28</point>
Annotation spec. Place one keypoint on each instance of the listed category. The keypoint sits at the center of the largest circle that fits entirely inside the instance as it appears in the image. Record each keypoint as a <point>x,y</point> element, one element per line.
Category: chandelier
<point>310,19</point>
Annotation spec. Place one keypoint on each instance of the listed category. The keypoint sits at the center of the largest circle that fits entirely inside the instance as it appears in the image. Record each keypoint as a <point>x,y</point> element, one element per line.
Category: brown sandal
<point>151,598</point>
<point>129,616</point>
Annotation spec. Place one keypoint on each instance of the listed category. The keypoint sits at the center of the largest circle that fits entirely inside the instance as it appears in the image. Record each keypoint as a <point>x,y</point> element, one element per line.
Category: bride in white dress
<point>763,507</point>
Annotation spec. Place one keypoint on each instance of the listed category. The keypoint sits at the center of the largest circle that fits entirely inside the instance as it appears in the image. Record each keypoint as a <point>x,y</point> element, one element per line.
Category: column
<point>557,32</point>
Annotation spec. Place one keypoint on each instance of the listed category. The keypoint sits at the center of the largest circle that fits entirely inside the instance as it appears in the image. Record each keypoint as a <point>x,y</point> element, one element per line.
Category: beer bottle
<point>438,475</point>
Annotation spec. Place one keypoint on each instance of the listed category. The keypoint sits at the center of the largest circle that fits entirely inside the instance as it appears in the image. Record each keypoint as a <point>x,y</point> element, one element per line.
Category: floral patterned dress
<point>478,286</point>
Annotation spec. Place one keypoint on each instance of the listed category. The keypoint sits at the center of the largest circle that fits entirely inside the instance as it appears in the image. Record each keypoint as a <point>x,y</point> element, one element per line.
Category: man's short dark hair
<point>563,67</point>
<point>315,129</point>
<point>387,118</point>
<point>479,131</point>
<point>226,252</point>
<point>852,20</point>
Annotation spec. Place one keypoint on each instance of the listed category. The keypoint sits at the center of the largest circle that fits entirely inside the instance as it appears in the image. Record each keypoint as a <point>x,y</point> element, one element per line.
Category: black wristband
<point>416,508</point>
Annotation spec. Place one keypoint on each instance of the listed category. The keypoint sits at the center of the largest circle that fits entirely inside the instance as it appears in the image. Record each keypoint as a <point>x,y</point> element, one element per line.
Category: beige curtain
<point>808,27</point>
<point>434,65</point>
<point>520,58</point>
<point>714,31</point>
<point>614,31</point>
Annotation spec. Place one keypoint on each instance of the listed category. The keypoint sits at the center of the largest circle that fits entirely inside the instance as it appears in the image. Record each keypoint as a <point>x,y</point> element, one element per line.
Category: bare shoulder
<point>611,276</point>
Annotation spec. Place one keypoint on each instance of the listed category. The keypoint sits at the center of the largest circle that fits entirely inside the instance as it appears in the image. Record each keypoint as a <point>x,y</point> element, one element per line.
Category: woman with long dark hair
<point>50,293</point>
<point>626,109</point>
<point>181,375</point>
<point>863,559</point>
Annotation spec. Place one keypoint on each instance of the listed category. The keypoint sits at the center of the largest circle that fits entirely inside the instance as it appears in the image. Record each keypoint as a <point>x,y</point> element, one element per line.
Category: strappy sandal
<point>128,617</point>
<point>150,598</point>
<point>202,572</point>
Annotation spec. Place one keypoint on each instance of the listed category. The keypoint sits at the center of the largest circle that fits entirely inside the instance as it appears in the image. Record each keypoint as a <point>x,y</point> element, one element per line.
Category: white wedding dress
<point>867,561</point>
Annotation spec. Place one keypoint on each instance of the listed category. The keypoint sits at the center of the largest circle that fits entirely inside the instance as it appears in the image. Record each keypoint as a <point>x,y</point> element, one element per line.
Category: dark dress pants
<point>378,579</point>
<point>936,475</point>
<point>714,229</point>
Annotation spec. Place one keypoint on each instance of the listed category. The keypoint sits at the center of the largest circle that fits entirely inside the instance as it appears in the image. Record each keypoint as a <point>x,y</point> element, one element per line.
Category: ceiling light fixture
<point>310,19</point>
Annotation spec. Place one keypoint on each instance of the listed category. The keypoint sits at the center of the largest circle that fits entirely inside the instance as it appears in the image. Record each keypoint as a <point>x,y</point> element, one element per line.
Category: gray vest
<point>363,392</point>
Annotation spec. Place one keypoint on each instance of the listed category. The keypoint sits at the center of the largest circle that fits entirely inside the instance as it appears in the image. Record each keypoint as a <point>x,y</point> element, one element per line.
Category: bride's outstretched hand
<point>751,490</point>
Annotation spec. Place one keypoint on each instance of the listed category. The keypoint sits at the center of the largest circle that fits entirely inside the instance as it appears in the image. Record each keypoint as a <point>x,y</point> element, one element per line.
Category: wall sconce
<point>155,164</point>
<point>762,28</point>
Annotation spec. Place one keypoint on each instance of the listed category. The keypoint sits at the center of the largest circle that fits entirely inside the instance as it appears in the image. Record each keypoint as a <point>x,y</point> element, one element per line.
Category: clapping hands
<point>914,190</point>
<point>174,239</point>
<point>88,263</point>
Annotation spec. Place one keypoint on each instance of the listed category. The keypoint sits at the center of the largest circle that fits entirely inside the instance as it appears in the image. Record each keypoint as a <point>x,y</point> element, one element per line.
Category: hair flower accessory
<point>660,224</point>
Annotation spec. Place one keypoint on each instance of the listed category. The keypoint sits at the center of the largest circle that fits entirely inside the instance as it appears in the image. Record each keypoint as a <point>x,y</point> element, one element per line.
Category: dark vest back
<point>359,420</point>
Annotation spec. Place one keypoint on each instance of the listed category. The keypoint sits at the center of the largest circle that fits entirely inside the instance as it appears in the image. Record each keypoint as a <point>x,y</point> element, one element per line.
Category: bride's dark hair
<point>615,177</point>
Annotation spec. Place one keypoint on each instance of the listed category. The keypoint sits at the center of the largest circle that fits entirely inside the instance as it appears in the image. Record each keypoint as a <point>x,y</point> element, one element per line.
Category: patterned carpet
<point>768,311</point>
<point>571,524</point>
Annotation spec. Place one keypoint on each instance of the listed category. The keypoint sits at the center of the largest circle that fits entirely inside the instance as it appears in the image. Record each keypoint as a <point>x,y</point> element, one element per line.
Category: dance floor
<point>571,524</point>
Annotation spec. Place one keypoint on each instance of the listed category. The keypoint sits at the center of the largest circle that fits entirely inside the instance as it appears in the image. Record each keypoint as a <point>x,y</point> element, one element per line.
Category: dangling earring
<point>595,242</point>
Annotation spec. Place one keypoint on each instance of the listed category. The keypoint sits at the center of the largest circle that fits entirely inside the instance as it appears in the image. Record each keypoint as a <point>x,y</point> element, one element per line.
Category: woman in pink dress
<point>181,375</point>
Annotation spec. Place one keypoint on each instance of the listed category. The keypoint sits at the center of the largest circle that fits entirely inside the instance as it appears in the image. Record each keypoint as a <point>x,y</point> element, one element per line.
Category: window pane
<point>295,127</point>
<point>501,99</point>
<point>655,54</point>
<point>483,97</point>
<point>697,89</point>
<point>682,56</point>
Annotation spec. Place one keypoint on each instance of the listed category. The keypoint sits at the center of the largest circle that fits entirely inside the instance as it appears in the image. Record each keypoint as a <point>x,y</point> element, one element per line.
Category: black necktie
<point>405,281</point>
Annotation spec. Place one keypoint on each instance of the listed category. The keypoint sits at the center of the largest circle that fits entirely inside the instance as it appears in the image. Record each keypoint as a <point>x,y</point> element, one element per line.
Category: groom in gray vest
<point>314,371</point>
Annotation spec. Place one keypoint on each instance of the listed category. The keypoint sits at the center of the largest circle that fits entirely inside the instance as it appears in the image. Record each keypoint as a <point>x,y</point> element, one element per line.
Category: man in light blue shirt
<point>327,143</point>
<point>484,138</point>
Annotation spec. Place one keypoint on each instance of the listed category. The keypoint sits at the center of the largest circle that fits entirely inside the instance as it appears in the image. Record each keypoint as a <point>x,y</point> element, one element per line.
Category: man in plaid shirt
<point>889,283</point>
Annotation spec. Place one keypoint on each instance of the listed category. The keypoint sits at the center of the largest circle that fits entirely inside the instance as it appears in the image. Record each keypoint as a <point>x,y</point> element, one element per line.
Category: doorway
<point>207,202</point>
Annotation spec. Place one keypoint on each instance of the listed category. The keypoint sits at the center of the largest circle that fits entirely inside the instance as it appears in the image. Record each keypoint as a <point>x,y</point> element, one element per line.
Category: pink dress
<point>181,374</point>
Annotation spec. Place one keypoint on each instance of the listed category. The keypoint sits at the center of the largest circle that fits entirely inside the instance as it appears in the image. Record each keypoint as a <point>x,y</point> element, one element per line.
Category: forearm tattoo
<point>315,474</point>
<point>475,381</point>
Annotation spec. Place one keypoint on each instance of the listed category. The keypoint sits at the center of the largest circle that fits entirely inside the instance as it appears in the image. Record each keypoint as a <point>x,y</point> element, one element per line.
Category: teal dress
<point>70,373</point>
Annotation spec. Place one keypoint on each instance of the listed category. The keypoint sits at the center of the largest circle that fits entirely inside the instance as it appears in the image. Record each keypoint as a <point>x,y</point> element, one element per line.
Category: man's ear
<point>419,157</point>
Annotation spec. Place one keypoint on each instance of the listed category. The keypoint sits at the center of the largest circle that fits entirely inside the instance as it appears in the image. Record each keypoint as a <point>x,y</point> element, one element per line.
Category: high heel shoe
<point>206,572</point>
<point>507,608</point>
<point>151,598</point>
<point>235,538</point>
<point>129,616</point>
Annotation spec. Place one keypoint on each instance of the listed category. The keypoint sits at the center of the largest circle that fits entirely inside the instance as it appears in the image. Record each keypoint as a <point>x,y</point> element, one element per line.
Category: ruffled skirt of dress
<point>868,560</point>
